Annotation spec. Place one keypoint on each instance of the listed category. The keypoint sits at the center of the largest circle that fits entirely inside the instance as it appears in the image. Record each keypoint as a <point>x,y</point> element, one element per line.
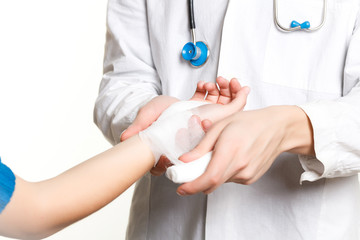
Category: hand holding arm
<point>246,144</point>
<point>183,132</point>
<point>37,210</point>
<point>205,92</point>
<point>329,129</point>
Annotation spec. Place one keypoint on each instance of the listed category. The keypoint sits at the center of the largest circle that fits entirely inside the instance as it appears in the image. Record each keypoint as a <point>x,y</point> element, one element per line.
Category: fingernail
<point>122,134</point>
<point>182,157</point>
<point>181,193</point>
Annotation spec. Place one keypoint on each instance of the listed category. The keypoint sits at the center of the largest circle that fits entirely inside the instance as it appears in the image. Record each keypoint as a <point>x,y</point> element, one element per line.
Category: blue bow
<point>304,25</point>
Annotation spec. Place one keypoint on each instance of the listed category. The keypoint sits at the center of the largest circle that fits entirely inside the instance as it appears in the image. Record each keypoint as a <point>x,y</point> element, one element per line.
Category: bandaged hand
<point>180,128</point>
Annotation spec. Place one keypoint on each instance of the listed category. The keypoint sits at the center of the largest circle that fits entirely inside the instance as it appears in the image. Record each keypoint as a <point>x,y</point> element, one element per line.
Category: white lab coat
<point>312,70</point>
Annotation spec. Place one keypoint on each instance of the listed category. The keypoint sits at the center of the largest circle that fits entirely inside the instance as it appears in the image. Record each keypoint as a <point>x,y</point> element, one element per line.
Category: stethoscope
<point>197,53</point>
<point>296,26</point>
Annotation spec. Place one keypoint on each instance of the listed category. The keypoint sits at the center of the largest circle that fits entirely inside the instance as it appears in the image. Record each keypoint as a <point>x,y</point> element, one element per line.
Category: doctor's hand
<point>246,144</point>
<point>148,114</point>
<point>228,92</point>
<point>152,110</point>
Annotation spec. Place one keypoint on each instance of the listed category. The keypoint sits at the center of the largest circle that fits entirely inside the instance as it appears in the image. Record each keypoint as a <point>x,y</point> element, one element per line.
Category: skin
<point>246,156</point>
<point>208,92</point>
<point>39,209</point>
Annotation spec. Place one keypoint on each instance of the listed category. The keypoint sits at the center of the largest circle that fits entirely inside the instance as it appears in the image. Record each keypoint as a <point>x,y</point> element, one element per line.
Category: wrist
<point>296,129</point>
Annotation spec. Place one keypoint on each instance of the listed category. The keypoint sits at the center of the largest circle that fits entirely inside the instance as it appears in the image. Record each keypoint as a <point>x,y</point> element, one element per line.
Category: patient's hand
<point>207,92</point>
<point>176,131</point>
<point>204,92</point>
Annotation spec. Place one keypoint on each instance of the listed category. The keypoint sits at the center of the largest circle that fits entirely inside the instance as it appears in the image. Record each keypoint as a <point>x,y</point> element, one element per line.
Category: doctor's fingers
<point>248,176</point>
<point>259,158</point>
<point>239,101</point>
<point>220,115</point>
<point>208,142</point>
<point>228,89</point>
<point>219,170</point>
<point>200,92</point>
<point>235,87</point>
<point>225,92</point>
<point>213,92</point>
<point>231,162</point>
<point>251,172</point>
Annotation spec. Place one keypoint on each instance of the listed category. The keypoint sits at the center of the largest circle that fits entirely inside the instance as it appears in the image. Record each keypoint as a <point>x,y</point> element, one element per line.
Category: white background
<point>51,56</point>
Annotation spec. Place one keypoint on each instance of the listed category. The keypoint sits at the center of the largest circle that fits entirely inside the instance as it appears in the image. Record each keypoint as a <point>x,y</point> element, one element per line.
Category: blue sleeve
<point>7,185</point>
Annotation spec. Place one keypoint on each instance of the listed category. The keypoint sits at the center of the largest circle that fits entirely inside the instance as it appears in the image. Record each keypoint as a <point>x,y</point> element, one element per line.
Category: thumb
<point>143,120</point>
<point>130,131</point>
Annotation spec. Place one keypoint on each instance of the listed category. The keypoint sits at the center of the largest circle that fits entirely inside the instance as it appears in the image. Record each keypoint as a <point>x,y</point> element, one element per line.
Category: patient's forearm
<point>39,209</point>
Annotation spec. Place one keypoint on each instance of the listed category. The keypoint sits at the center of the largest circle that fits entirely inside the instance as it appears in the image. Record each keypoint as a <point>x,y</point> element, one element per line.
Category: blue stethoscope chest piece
<point>195,52</point>
<point>196,55</point>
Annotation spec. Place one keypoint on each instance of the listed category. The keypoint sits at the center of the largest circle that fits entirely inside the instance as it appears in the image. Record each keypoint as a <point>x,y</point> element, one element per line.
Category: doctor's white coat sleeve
<point>336,124</point>
<point>130,79</point>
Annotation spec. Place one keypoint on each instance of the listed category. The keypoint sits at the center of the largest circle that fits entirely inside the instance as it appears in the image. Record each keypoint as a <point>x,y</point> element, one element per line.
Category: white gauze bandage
<point>175,132</point>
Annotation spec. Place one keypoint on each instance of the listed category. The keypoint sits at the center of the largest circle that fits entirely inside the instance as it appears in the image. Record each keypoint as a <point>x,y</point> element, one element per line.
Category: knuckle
<point>246,176</point>
<point>215,179</point>
<point>241,165</point>
<point>249,182</point>
<point>240,160</point>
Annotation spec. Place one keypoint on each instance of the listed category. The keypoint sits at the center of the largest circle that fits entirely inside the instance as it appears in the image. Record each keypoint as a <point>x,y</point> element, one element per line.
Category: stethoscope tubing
<point>192,21</point>
<point>191,14</point>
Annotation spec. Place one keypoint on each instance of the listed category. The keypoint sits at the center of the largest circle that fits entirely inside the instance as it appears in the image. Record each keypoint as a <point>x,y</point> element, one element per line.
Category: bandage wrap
<point>174,133</point>
<point>7,185</point>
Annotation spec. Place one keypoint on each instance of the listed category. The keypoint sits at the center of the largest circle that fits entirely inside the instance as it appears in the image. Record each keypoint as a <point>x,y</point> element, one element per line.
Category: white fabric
<point>337,142</point>
<point>143,59</point>
<point>187,172</point>
<point>174,133</point>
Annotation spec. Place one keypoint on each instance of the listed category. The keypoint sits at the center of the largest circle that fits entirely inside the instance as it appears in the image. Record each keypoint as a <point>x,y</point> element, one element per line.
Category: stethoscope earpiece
<point>304,25</point>
<point>197,55</point>
<point>295,26</point>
